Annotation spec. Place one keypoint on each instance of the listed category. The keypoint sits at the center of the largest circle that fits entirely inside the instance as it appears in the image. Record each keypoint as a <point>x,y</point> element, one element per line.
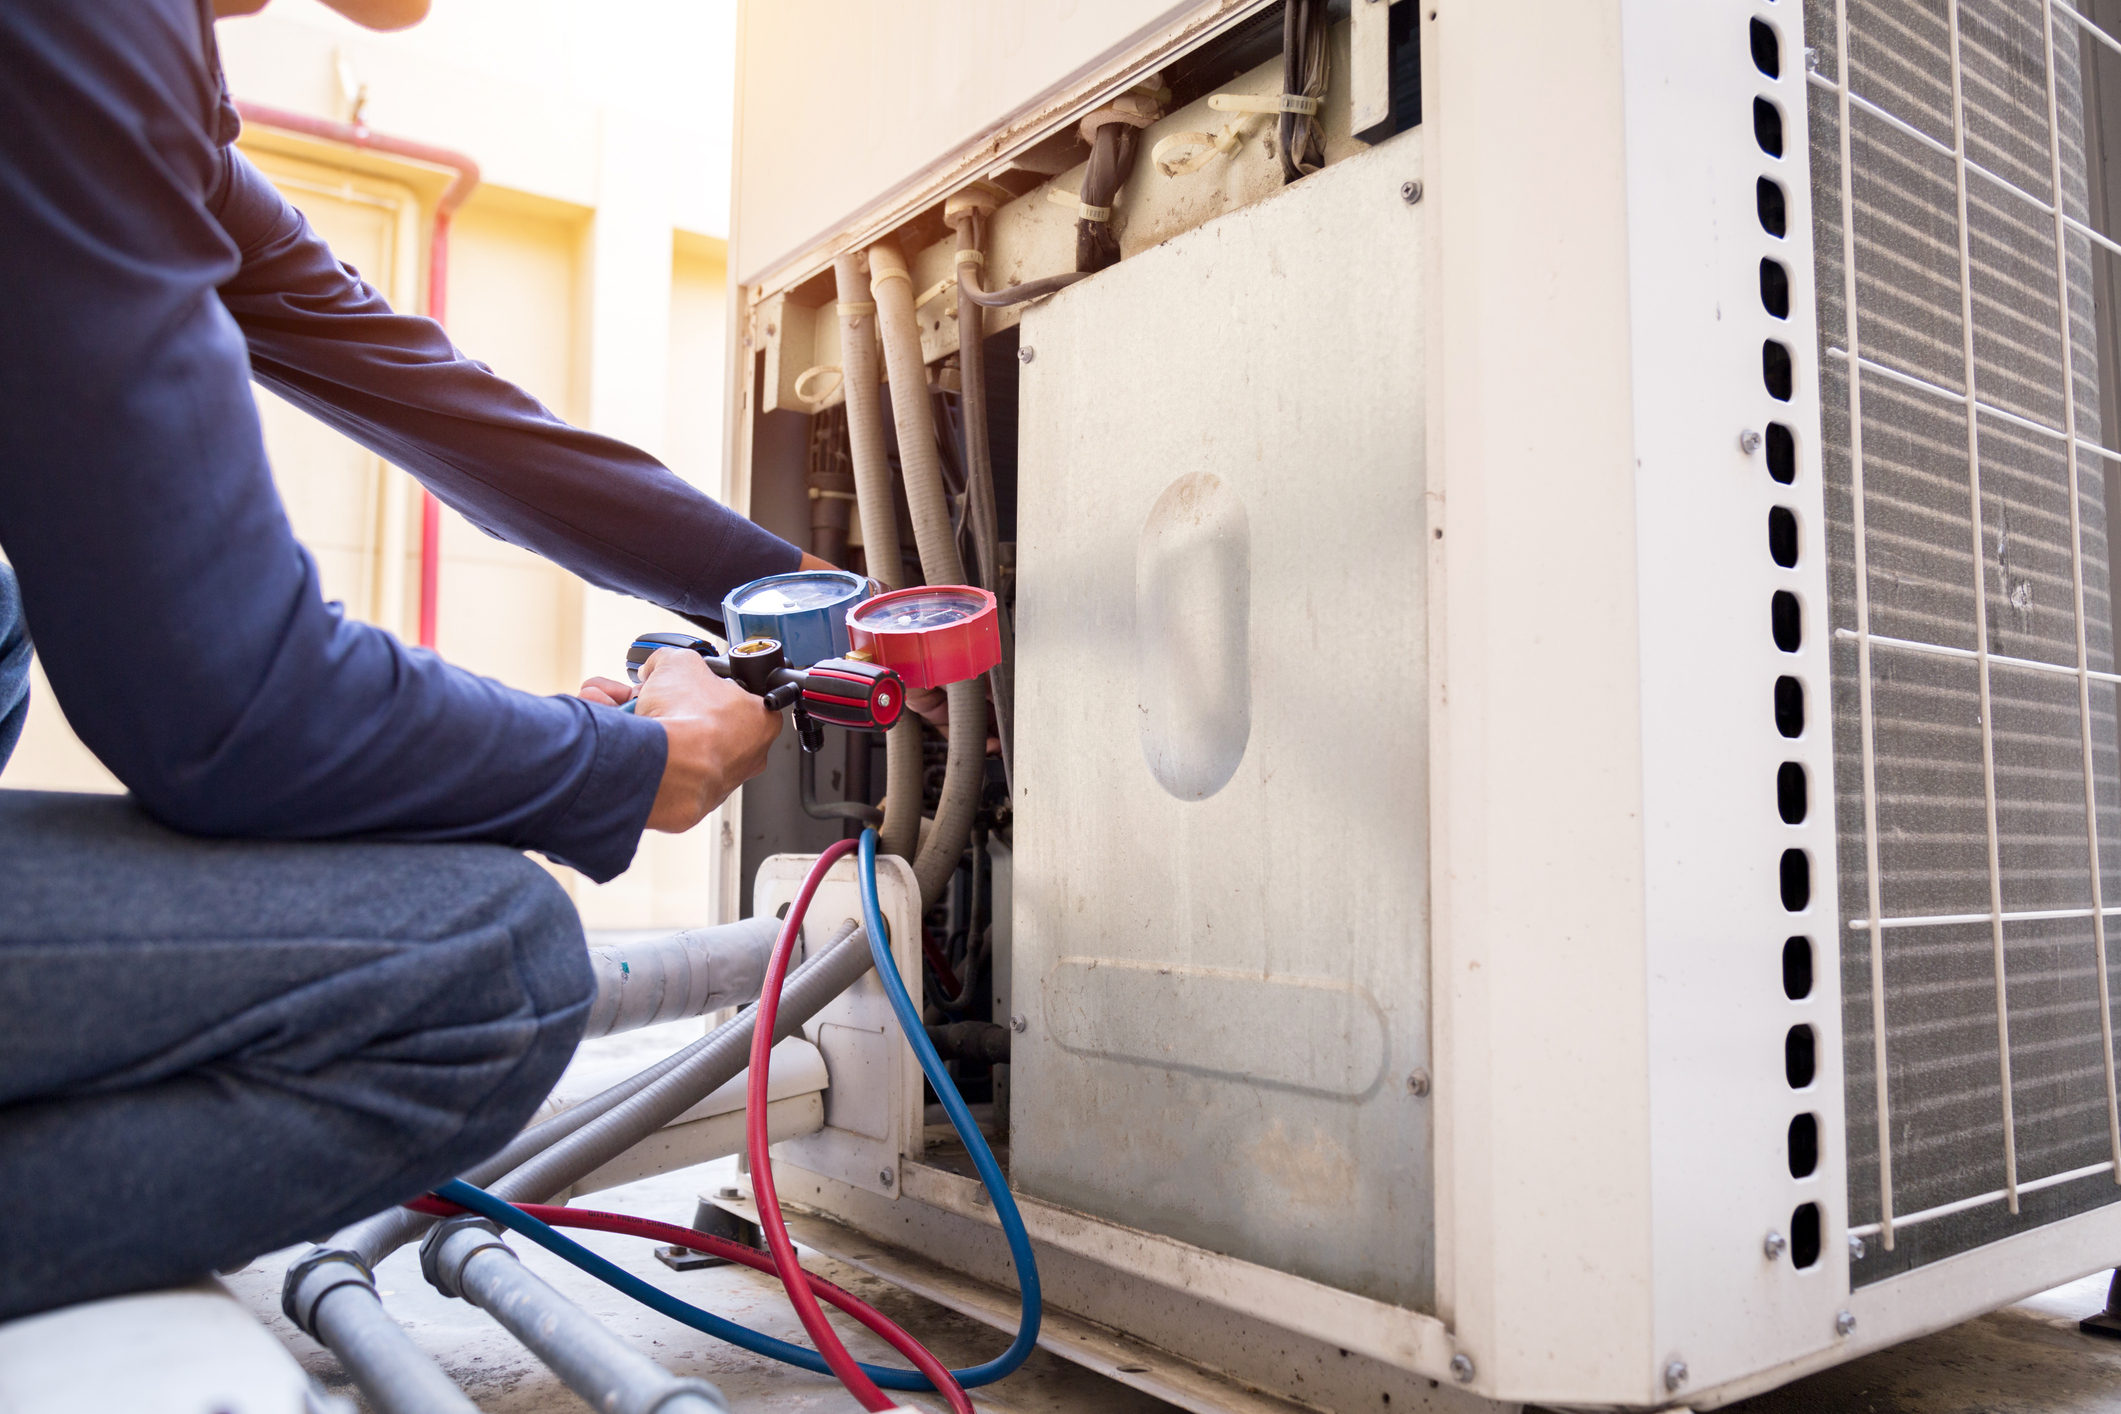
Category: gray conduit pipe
<point>466,1258</point>
<point>394,1374</point>
<point>969,222</point>
<point>726,1054</point>
<point>332,1296</point>
<point>693,1074</point>
<point>903,767</point>
<point>891,286</point>
<point>684,974</point>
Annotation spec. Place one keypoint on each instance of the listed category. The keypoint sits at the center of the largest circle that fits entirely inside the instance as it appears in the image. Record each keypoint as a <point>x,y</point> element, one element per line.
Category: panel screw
<point>1410,192</point>
<point>1418,1082</point>
<point>1811,59</point>
<point>884,1177</point>
<point>1462,1367</point>
<point>1749,441</point>
<point>1675,1374</point>
<point>1019,1023</point>
<point>728,1193</point>
<point>1026,354</point>
<point>1856,1248</point>
<point>1844,1323</point>
<point>1774,1246</point>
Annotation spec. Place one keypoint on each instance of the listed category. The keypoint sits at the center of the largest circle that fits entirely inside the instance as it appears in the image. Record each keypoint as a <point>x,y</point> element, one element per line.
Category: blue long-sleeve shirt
<point>147,273</point>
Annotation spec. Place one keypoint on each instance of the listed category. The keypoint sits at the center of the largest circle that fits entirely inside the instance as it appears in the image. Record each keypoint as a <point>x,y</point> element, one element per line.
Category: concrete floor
<point>2027,1359</point>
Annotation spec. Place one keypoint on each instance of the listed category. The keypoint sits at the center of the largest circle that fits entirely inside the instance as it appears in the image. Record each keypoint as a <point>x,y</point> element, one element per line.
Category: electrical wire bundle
<point>1303,74</point>
<point>538,1222</point>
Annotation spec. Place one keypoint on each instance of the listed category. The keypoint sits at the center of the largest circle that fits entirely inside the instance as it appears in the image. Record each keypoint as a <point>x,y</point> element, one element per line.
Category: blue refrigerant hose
<point>990,1173</point>
<point>479,1201</point>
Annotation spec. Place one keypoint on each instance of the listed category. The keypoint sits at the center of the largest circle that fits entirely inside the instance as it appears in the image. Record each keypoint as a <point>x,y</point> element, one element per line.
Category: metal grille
<point>1974,692</point>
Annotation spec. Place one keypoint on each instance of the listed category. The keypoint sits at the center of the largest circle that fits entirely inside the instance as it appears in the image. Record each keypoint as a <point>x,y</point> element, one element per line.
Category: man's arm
<point>324,339</point>
<point>178,620</point>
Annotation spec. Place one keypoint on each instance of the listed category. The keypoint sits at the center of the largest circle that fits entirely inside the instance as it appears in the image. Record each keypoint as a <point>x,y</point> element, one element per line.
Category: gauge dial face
<point>794,594</point>
<point>909,613</point>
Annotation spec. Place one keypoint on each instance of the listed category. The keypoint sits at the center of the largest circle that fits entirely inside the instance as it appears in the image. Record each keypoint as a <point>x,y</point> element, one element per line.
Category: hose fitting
<point>320,1270</point>
<point>442,1260</point>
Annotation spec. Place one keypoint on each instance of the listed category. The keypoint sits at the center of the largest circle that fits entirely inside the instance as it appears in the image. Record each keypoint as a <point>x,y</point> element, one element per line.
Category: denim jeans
<point>213,1048</point>
<point>14,664</point>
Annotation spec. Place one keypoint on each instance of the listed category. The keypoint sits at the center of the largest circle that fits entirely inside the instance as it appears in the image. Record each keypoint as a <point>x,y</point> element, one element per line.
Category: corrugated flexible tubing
<point>891,287</point>
<point>879,515</point>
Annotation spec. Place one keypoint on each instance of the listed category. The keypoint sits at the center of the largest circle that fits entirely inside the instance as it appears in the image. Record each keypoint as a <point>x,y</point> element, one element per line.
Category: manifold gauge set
<point>827,644</point>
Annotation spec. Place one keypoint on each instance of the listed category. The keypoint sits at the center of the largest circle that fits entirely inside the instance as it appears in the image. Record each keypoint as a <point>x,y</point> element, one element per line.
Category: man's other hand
<point>719,734</point>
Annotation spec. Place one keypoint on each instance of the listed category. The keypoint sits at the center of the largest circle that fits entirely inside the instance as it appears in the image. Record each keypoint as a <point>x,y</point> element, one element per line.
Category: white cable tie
<point>889,272</point>
<point>972,257</point>
<point>855,309</point>
<point>1082,208</point>
<point>820,495</point>
<point>1264,103</point>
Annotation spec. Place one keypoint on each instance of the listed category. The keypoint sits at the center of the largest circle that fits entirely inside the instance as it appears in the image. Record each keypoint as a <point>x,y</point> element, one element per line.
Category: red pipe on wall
<point>358,135</point>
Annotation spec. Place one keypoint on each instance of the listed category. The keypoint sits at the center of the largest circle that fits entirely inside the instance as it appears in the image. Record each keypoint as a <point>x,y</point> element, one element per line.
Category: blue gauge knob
<point>805,610</point>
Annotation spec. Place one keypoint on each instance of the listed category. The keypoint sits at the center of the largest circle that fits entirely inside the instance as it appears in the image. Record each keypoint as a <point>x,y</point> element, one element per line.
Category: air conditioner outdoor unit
<point>1567,799</point>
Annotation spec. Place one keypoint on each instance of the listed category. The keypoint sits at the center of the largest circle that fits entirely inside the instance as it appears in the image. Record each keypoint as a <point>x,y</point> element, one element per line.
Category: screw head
<point>1775,1245</point>
<point>1674,1374</point>
<point>1856,1248</point>
<point>1749,441</point>
<point>1410,192</point>
<point>728,1193</point>
<point>1418,1082</point>
<point>885,1177</point>
<point>1462,1367</point>
<point>1844,1323</point>
<point>1811,59</point>
<point>1019,1023</point>
<point>1026,354</point>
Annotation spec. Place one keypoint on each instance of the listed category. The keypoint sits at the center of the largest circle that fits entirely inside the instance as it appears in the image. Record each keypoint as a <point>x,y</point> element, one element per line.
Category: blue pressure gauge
<point>806,610</point>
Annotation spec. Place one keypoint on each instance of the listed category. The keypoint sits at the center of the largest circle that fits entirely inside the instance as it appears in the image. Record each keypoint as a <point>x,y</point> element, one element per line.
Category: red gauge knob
<point>932,636</point>
<point>864,696</point>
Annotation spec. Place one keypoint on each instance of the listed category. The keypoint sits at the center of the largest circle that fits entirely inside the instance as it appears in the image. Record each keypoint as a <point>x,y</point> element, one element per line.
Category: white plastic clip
<point>1082,208</point>
<point>855,309</point>
<point>817,398</point>
<point>1264,103</point>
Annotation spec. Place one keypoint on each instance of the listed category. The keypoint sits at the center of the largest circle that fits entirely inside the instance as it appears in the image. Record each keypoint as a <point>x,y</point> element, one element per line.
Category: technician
<point>304,971</point>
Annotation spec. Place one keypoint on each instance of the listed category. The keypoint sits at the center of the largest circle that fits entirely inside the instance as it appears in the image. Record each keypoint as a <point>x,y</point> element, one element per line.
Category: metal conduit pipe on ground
<point>967,215</point>
<point>332,1297</point>
<point>685,974</point>
<point>465,1258</point>
<point>879,516</point>
<point>891,287</point>
<point>539,1162</point>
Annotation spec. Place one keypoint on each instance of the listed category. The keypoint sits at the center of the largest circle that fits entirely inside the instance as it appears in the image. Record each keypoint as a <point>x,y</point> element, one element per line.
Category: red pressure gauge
<point>931,636</point>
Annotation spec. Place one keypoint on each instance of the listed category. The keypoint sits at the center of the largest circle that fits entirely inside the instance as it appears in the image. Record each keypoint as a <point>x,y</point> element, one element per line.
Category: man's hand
<point>719,734</point>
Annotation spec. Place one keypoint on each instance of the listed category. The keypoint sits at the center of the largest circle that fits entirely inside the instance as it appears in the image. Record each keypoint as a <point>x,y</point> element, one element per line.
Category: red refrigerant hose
<point>591,1220</point>
<point>768,1201</point>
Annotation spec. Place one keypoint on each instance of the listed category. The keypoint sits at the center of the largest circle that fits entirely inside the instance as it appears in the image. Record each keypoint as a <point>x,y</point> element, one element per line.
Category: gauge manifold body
<point>931,636</point>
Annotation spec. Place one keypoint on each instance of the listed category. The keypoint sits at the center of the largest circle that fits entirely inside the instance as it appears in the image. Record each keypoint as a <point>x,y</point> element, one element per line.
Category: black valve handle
<point>841,691</point>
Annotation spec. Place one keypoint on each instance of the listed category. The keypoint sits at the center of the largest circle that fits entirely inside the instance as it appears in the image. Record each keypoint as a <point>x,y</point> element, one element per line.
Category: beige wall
<point>589,268</point>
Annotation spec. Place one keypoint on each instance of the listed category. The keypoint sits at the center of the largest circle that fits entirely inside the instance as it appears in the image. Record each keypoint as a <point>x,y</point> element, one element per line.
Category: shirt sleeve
<point>178,620</point>
<point>324,339</point>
